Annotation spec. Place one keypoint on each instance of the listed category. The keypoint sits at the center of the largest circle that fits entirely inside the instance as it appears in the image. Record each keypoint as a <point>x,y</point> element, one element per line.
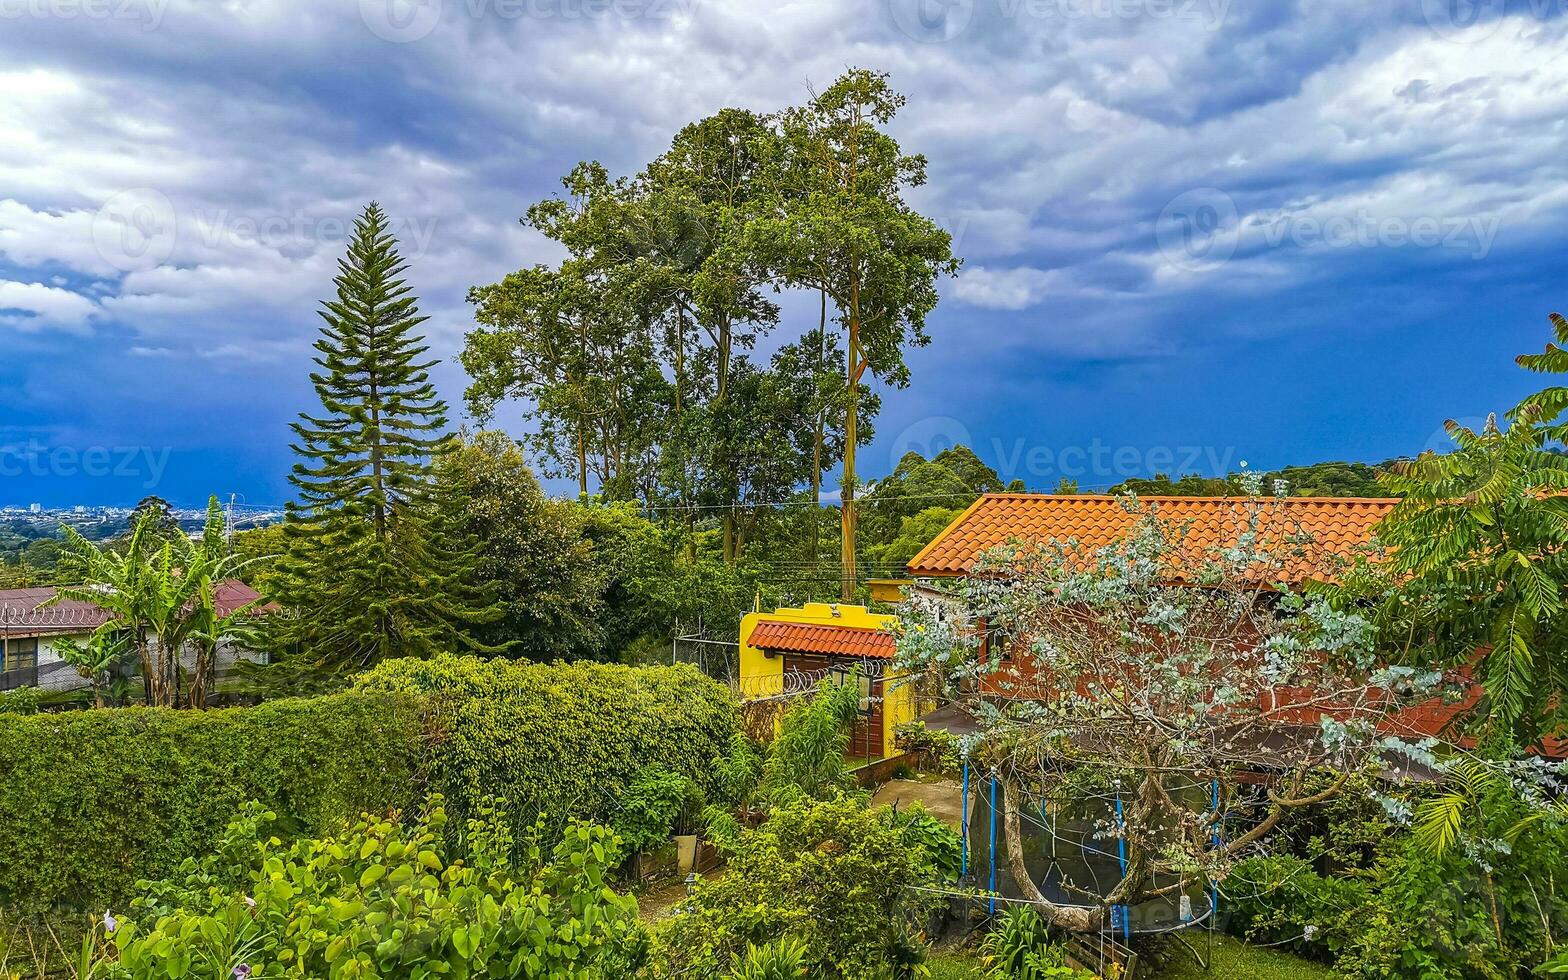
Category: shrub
<point>385,899</point>
<point>941,844</point>
<point>654,805</point>
<point>807,758</point>
<point>20,701</point>
<point>92,800</point>
<point>1281,901</point>
<point>565,740</point>
<point>834,876</point>
<point>1019,948</point>
<point>783,960</point>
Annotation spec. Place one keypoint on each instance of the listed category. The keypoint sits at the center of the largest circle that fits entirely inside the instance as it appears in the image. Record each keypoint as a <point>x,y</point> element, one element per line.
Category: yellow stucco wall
<point>763,676</point>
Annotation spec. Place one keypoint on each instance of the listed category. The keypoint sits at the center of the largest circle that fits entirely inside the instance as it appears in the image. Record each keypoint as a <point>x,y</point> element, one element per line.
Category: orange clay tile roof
<point>839,641</point>
<point>1336,524</point>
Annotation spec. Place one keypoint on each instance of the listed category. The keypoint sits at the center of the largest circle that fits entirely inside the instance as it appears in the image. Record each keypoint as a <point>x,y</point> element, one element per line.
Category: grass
<point>954,965</point>
<point>1235,960</point>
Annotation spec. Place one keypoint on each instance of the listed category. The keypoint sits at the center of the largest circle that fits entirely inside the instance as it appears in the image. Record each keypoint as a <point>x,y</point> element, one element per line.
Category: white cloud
<point>35,306</point>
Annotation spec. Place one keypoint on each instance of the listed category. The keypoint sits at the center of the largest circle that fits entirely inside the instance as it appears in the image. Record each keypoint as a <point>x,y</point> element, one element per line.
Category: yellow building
<point>790,650</point>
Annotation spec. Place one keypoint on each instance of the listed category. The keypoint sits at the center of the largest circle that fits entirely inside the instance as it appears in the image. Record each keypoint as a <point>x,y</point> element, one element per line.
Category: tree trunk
<point>1073,918</point>
<point>818,438</point>
<point>851,419</point>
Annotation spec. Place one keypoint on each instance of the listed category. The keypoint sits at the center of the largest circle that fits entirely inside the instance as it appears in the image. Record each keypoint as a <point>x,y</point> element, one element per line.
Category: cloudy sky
<point>1195,232</point>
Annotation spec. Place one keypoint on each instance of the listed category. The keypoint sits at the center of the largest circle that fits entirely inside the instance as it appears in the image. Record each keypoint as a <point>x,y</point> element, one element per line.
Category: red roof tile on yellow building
<point>841,641</point>
<point>1335,525</point>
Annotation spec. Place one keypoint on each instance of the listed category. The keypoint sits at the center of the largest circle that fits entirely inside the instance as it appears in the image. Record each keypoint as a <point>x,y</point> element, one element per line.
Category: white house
<point>29,634</point>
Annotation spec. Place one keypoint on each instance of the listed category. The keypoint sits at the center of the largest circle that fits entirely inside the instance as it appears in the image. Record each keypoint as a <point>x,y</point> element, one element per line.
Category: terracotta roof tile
<point>1336,524</point>
<point>840,641</point>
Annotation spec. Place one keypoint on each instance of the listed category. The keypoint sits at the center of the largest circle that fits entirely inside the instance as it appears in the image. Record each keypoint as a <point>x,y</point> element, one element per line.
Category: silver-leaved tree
<point>1184,666</point>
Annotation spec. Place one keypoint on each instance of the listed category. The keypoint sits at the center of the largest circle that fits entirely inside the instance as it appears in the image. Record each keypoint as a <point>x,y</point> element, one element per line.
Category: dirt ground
<point>944,798</point>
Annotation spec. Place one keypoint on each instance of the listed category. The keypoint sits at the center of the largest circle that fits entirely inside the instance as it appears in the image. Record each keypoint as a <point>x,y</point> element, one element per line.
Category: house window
<point>998,645</point>
<point>21,654</point>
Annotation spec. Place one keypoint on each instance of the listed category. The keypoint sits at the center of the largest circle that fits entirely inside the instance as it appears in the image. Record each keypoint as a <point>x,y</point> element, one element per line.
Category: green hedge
<point>563,739</point>
<point>92,800</point>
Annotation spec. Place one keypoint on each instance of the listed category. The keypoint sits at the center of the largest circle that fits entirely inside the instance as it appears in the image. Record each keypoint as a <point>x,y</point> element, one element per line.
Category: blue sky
<point>1195,232</point>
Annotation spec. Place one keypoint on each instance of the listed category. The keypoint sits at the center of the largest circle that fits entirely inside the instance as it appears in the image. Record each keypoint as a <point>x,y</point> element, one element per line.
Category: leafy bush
<point>940,748</point>
<point>20,701</point>
<point>807,758</point>
<point>654,805</point>
<point>384,899</point>
<point>940,844</point>
<point>92,800</point>
<point>833,875</point>
<point>1019,948</point>
<point>563,739</point>
<point>1281,901</point>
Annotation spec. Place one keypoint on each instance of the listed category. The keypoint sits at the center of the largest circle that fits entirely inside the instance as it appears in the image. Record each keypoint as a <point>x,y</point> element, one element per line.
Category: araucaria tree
<point>1174,675</point>
<point>371,570</point>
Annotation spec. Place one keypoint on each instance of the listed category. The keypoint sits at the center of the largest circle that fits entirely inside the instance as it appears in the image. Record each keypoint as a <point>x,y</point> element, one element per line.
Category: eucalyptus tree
<point>1147,683</point>
<point>841,226</point>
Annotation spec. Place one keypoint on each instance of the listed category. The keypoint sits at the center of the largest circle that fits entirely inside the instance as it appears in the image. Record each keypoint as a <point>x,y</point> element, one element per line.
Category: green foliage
<point>832,875</point>
<point>940,747</point>
<point>375,566</point>
<point>1330,479</point>
<point>159,591</point>
<point>910,504</point>
<point>386,898</point>
<point>1281,902</point>
<point>20,701</point>
<point>92,800</point>
<point>940,844</point>
<point>563,739</point>
<point>1019,947</point>
<point>551,582</point>
<point>657,803</point>
<point>782,960</point>
<point>807,757</point>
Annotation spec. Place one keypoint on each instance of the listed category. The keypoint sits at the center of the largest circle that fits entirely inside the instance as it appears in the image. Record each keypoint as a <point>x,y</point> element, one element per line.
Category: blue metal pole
<point>963,862</point>
<point>993,844</point>
<point>1121,858</point>
<point>1214,888</point>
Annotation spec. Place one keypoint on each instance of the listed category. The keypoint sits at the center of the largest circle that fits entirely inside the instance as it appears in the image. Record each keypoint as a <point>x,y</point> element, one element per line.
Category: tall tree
<point>366,575</point>
<point>841,226</point>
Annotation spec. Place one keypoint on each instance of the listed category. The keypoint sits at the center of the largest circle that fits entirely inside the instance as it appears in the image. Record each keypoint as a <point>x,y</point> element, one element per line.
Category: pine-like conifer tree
<point>372,569</point>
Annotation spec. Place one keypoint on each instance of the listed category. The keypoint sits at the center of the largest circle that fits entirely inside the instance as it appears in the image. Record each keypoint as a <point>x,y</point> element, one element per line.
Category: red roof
<point>838,641</point>
<point>1335,525</point>
<point>20,615</point>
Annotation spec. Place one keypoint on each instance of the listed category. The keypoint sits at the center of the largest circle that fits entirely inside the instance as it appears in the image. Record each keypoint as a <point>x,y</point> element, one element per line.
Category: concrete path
<point>944,798</point>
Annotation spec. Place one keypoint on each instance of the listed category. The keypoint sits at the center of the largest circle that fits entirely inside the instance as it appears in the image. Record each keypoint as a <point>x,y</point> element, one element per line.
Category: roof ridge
<point>1186,498</point>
